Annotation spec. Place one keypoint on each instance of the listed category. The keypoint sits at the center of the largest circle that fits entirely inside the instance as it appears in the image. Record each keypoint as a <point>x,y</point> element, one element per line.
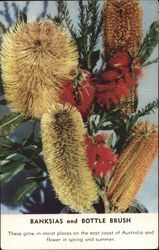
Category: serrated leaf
<point>24,192</point>
<point>9,122</point>
<point>6,177</point>
<point>11,165</point>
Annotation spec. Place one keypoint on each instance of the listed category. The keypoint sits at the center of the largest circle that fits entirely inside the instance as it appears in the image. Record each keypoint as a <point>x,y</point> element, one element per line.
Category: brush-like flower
<point>122,26</point>
<point>35,57</point>
<point>118,82</point>
<point>78,91</point>
<point>63,136</point>
<point>100,157</point>
<point>133,165</point>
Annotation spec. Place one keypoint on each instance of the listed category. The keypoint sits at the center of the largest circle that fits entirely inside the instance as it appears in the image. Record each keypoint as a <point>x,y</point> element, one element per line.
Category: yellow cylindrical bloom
<point>122,26</point>
<point>128,105</point>
<point>63,137</point>
<point>132,167</point>
<point>34,59</point>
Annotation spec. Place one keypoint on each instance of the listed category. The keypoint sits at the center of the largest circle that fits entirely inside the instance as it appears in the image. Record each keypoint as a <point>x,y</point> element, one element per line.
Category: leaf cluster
<point>112,120</point>
<point>150,42</point>
<point>87,34</point>
<point>17,157</point>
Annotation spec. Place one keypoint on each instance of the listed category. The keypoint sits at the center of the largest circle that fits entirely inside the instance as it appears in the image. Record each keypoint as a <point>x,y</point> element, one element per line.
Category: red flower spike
<point>109,93</point>
<point>100,158</point>
<point>116,81</point>
<point>78,91</point>
<point>130,81</point>
<point>136,65</point>
<point>110,75</point>
<point>124,90</point>
<point>119,60</point>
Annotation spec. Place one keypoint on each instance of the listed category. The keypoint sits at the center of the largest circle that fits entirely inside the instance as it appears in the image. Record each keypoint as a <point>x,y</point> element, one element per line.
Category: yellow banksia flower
<point>63,137</point>
<point>122,26</point>
<point>133,166</point>
<point>128,106</point>
<point>34,58</point>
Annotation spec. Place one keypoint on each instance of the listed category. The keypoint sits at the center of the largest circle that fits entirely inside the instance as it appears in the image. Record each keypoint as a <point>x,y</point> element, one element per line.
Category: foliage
<point>19,13</point>
<point>87,34</point>
<point>150,42</point>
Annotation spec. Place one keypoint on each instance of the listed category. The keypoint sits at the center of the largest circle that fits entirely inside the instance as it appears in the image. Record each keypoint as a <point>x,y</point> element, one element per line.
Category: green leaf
<point>128,123</point>
<point>5,141</point>
<point>150,42</point>
<point>156,60</point>
<point>148,108</point>
<point>38,177</point>
<point>9,122</point>
<point>5,153</point>
<point>3,101</point>
<point>24,192</point>
<point>11,165</point>
<point>110,140</point>
<point>6,177</point>
<point>94,57</point>
<point>136,207</point>
<point>134,119</point>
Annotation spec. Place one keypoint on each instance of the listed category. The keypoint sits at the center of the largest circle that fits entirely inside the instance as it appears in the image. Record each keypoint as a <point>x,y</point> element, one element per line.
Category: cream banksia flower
<point>122,26</point>
<point>133,166</point>
<point>63,137</point>
<point>35,57</point>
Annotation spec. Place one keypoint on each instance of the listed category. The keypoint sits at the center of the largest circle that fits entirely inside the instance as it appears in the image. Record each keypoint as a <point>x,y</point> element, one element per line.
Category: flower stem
<point>105,197</point>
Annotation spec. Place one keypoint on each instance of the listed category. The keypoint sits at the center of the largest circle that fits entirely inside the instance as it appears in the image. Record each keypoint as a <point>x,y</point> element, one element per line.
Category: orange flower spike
<point>133,166</point>
<point>122,26</point>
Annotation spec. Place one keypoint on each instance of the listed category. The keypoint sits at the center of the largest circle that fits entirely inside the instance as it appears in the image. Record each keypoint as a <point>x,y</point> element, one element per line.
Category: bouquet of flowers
<point>93,146</point>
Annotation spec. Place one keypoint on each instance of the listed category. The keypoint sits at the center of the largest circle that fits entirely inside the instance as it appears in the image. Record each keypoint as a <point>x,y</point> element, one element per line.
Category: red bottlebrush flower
<point>100,158</point>
<point>119,60</point>
<point>109,93</point>
<point>118,79</point>
<point>129,80</point>
<point>78,91</point>
<point>123,62</point>
<point>110,75</point>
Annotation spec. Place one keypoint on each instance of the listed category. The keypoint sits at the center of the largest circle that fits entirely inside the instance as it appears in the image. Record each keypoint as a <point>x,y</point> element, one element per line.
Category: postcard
<point>79,124</point>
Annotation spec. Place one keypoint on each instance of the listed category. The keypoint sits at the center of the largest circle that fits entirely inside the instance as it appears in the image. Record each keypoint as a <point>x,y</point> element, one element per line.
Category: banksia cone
<point>122,26</point>
<point>35,57</point>
<point>132,167</point>
<point>129,105</point>
<point>63,137</point>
